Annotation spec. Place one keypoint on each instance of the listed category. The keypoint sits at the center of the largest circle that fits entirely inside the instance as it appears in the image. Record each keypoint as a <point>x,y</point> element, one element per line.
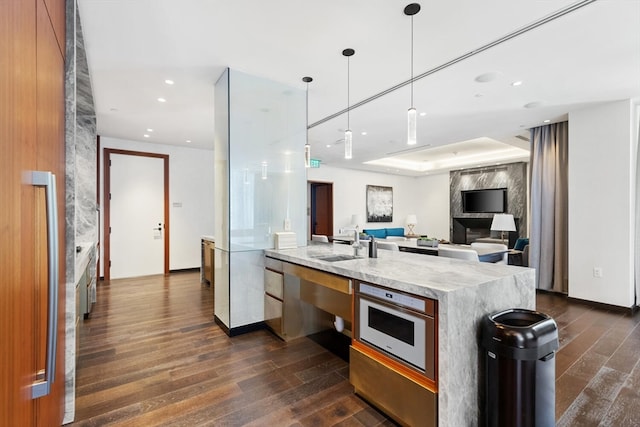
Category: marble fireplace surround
<point>468,229</point>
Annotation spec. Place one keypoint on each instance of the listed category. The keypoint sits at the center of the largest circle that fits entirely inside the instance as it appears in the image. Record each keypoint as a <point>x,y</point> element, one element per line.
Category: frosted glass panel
<point>221,163</point>
<point>267,177</point>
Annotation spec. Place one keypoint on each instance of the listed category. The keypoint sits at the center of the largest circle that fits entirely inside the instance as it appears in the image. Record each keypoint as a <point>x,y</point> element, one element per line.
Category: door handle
<point>48,181</point>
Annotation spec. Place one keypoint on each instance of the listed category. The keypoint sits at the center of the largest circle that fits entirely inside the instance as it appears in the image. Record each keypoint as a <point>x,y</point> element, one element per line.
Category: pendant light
<point>348,137</point>
<point>412,139</point>
<point>307,146</point>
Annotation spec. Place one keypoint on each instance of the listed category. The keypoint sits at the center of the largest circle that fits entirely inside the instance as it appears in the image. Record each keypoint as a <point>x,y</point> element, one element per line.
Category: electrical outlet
<point>597,272</point>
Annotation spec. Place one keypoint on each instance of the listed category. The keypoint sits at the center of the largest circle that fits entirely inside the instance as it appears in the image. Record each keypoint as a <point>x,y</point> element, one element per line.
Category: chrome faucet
<point>356,244</point>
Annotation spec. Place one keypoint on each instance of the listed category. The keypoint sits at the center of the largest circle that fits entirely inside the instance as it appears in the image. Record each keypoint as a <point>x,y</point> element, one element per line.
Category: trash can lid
<point>514,331</point>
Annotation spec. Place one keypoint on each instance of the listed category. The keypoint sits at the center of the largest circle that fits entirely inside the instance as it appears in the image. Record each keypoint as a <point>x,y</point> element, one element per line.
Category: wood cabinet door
<point>25,125</point>
<point>50,150</point>
<point>17,244</point>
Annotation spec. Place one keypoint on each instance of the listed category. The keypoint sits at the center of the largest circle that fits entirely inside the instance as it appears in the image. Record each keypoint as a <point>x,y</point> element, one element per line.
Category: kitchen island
<point>465,292</point>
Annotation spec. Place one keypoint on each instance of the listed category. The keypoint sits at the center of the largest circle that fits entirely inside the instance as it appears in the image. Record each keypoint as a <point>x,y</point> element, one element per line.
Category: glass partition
<point>267,177</point>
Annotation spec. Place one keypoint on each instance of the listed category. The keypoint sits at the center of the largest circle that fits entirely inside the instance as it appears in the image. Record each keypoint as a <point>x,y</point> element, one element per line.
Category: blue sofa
<point>383,233</point>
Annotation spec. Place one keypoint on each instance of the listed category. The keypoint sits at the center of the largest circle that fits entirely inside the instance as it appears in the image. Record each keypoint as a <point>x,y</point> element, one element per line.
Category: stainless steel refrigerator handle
<point>48,181</point>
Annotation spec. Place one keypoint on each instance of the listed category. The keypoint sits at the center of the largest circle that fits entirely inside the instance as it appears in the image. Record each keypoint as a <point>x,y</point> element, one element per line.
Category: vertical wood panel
<point>17,155</point>
<point>56,10</point>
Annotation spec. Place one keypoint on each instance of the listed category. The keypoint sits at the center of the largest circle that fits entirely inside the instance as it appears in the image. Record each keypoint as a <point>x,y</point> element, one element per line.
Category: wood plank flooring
<point>151,355</point>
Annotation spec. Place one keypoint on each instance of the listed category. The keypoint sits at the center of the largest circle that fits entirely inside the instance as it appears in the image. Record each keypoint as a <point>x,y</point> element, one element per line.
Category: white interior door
<point>136,216</point>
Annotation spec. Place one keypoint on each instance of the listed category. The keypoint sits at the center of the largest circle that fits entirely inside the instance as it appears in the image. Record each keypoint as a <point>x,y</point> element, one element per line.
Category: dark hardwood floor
<point>151,355</point>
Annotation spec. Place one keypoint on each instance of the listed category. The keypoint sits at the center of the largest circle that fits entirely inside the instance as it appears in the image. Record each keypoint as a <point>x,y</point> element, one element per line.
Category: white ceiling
<point>589,55</point>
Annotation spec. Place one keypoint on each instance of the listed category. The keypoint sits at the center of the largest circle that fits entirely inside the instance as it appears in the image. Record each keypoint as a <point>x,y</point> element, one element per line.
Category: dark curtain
<point>548,250</point>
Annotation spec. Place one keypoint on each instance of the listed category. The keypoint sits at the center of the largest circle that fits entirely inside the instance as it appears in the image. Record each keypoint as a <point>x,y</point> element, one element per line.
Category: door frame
<point>107,205</point>
<point>312,211</point>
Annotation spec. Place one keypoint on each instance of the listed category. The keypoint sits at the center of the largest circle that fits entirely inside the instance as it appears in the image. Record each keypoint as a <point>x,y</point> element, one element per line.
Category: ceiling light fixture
<point>145,135</point>
<point>169,82</point>
<point>411,10</point>
<point>518,83</point>
<point>162,100</point>
<point>348,136</point>
<point>149,130</point>
<point>188,140</point>
<point>307,146</point>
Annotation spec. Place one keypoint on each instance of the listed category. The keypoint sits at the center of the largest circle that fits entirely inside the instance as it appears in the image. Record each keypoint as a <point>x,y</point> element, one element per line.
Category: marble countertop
<point>87,251</point>
<point>430,276</point>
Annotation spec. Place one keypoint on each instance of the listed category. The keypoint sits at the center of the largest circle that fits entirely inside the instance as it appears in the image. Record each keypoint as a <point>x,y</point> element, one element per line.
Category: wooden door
<point>31,138</point>
<point>321,208</point>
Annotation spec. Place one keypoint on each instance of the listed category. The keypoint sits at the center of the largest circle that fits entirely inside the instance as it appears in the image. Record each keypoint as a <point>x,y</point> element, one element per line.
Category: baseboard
<point>239,330</point>
<point>615,308</point>
<point>185,270</point>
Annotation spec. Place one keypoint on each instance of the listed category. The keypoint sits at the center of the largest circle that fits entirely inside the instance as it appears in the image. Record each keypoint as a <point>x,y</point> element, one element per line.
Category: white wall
<point>433,209</point>
<point>190,184</point>
<point>601,213</point>
<point>426,197</point>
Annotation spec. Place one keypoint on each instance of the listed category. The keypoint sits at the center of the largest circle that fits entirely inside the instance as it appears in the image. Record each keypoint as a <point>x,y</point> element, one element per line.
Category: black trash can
<point>520,368</point>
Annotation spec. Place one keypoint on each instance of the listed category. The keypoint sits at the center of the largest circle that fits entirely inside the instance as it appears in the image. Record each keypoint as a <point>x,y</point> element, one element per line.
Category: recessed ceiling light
<point>188,140</point>
<point>423,114</point>
<point>328,145</point>
<point>169,82</point>
<point>518,83</point>
<point>162,100</point>
<point>149,130</point>
<point>534,104</point>
<point>145,135</point>
<point>486,77</point>
<point>363,133</point>
<point>547,121</point>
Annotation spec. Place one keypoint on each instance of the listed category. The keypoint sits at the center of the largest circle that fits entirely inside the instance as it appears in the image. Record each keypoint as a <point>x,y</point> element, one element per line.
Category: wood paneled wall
<point>32,40</point>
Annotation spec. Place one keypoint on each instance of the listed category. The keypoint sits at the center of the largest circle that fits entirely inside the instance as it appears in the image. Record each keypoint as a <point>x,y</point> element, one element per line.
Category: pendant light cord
<point>411,61</point>
<point>348,84</point>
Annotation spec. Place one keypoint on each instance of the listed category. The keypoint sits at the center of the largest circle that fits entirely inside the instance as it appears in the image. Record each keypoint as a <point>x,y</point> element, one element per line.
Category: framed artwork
<point>379,203</point>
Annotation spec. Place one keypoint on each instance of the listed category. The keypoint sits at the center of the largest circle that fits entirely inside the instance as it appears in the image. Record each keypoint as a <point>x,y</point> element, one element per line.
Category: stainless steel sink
<point>334,258</point>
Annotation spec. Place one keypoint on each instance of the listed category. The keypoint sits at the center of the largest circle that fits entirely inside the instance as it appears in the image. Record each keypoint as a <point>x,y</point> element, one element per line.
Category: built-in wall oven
<point>399,325</point>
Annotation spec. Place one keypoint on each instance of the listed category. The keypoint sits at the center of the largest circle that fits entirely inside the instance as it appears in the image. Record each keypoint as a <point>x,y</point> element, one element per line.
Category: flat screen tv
<point>493,200</point>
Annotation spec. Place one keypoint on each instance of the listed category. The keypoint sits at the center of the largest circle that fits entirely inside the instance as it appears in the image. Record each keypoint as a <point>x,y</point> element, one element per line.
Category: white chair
<point>319,238</point>
<point>390,246</point>
<point>493,246</point>
<point>397,238</point>
<point>459,253</point>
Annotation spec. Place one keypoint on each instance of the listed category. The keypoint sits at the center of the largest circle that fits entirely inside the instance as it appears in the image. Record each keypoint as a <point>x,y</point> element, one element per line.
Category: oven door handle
<point>42,386</point>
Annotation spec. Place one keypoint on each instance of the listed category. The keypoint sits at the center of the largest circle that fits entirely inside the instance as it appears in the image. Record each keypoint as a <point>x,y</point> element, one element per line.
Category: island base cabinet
<point>401,398</point>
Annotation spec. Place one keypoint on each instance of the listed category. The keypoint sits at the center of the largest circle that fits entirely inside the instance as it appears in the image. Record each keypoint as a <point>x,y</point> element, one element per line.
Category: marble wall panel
<point>512,176</point>
<point>80,184</point>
